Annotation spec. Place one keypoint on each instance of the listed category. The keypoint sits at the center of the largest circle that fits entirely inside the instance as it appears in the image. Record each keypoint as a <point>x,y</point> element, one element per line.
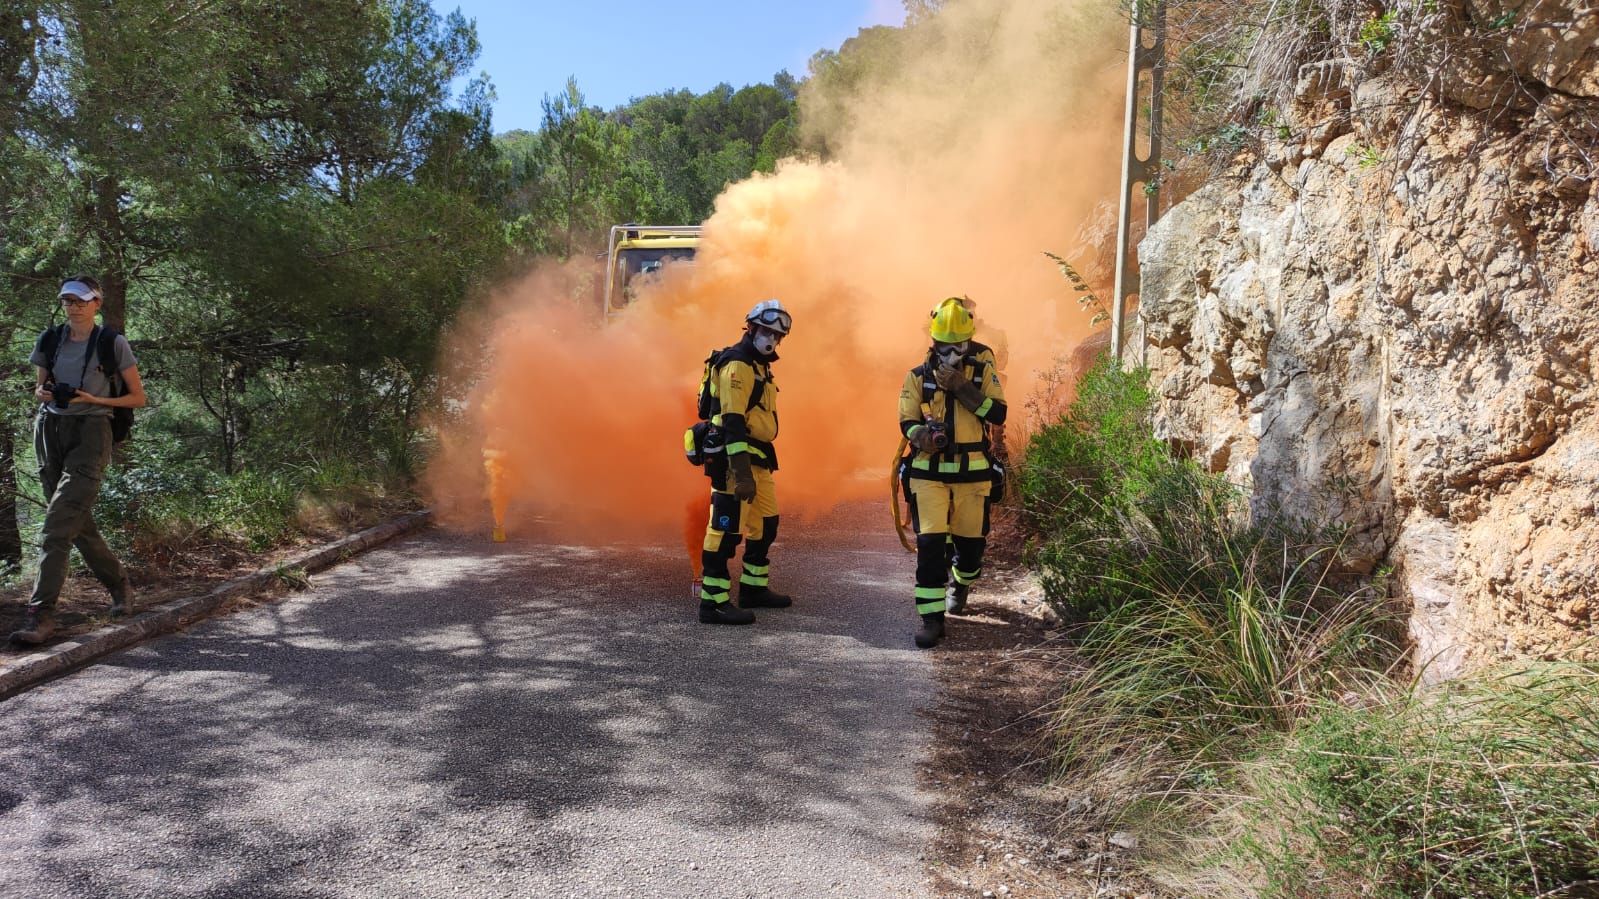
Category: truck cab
<point>636,253</point>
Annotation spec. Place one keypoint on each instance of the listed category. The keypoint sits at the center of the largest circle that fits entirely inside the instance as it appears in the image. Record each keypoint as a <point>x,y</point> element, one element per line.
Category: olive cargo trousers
<point>73,451</point>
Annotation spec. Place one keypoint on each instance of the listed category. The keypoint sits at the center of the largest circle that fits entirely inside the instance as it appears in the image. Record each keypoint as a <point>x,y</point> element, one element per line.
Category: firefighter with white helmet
<point>947,406</point>
<point>742,411</point>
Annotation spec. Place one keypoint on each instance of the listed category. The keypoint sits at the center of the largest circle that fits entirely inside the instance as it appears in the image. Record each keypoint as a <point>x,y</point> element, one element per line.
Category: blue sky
<point>627,48</point>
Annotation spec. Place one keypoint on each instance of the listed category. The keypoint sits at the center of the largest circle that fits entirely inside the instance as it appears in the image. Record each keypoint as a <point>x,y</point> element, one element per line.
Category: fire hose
<point>894,498</point>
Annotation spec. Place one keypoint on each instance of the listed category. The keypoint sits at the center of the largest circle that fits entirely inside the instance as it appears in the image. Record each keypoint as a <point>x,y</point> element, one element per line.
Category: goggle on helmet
<point>771,314</point>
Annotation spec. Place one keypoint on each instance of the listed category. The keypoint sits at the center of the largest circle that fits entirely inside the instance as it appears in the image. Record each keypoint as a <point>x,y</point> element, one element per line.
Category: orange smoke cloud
<point>997,137</point>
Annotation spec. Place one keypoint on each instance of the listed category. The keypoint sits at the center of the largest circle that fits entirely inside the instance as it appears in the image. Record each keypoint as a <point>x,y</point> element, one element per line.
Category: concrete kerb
<point>171,615</point>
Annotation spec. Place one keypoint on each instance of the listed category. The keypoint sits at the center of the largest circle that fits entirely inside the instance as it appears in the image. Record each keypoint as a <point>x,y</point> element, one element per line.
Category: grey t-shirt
<point>69,369</point>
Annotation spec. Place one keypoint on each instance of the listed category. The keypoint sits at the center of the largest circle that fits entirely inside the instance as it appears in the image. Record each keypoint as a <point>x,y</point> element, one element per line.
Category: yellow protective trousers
<point>732,521</point>
<point>951,521</point>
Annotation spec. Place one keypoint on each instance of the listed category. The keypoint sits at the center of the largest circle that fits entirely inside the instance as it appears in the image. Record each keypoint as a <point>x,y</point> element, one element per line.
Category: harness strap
<point>97,348</point>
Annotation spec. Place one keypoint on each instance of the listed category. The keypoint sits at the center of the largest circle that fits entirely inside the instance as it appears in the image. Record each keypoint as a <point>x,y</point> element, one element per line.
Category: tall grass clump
<point>1486,787</point>
<point>1203,631</point>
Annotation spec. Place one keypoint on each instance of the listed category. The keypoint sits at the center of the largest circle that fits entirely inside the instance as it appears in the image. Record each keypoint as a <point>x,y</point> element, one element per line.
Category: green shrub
<point>1488,787</point>
<point>1081,481</point>
<point>1203,631</point>
<point>1378,32</point>
<point>172,507</point>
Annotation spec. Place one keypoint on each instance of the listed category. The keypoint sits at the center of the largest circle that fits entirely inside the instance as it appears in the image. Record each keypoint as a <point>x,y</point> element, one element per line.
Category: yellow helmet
<point>952,323</point>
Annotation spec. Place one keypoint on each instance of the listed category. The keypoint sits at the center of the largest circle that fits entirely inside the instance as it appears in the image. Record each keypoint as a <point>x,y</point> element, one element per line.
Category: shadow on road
<point>522,699</point>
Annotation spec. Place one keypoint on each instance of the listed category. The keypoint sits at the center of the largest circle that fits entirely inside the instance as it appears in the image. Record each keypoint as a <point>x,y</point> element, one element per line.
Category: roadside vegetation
<point>1242,702</point>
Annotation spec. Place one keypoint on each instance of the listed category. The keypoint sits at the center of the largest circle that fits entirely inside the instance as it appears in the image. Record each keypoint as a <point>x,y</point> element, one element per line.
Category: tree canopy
<point>661,159</point>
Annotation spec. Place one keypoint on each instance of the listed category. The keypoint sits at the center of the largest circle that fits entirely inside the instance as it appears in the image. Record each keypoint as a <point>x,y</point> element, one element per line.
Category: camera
<point>62,395</point>
<point>940,432</point>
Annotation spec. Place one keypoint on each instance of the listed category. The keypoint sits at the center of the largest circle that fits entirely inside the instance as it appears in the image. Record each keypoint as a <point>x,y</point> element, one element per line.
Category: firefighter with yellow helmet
<point>740,400</point>
<point>949,472</point>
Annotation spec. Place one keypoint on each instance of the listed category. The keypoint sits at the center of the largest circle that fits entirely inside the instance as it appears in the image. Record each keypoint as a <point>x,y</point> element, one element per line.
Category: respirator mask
<point>765,341</point>
<point>950,354</point>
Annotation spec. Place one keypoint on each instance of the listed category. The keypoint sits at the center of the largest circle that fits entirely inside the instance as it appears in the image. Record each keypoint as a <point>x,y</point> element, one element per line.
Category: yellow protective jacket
<point>750,427</point>
<point>921,400</point>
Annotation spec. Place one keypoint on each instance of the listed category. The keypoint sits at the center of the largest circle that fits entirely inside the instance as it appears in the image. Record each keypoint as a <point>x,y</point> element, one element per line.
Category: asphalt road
<point>448,717</point>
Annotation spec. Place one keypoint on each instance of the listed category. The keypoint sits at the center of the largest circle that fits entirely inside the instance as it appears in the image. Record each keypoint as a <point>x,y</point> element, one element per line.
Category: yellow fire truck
<point>636,253</point>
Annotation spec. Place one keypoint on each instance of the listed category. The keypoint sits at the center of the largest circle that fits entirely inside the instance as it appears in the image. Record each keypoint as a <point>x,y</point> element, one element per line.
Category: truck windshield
<point>646,262</point>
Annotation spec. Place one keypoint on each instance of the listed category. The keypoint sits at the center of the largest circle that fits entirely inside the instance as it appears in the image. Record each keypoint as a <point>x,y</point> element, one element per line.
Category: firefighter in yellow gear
<point>947,407</point>
<point>743,494</point>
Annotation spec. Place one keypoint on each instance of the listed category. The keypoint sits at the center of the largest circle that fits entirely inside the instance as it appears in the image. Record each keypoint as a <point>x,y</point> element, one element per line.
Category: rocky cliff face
<point>1389,318</point>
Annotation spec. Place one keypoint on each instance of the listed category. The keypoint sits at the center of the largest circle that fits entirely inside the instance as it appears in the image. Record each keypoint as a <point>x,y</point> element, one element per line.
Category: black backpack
<point>703,440</point>
<point>105,351</point>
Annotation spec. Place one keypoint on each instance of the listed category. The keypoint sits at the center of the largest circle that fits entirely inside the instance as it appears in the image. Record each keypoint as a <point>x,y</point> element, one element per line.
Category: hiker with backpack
<point>733,440</point>
<point>87,386</point>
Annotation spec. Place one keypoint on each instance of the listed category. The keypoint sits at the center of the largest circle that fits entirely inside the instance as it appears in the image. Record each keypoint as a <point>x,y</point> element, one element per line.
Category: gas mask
<point>950,354</point>
<point>765,341</point>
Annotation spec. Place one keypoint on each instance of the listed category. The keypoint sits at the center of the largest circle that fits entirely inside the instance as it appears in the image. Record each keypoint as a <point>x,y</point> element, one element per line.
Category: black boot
<point>932,631</point>
<point>38,627</point>
<point>723,613</point>
<point>122,602</point>
<point>955,601</point>
<point>762,598</point>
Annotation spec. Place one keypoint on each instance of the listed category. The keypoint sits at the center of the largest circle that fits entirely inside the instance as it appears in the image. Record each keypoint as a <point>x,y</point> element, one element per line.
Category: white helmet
<point>770,314</point>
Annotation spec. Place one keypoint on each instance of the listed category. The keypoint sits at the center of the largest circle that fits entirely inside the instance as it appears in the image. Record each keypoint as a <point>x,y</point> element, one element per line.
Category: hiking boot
<point>932,631</point>
<point>38,627</point>
<point>121,602</point>
<point>724,613</point>
<point>955,599</point>
<point>762,598</point>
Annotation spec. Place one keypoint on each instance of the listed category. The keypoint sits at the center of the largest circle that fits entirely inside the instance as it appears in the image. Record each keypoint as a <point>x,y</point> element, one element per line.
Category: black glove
<point>743,477</point>
<point>967,394</point>
<point>948,377</point>
<point>924,439</point>
<point>954,381</point>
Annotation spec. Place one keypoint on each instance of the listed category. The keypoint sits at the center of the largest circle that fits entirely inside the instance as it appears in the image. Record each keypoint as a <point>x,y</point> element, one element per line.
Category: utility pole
<point>1148,19</point>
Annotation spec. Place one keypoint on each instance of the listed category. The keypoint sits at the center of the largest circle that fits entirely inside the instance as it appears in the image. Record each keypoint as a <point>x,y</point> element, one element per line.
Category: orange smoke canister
<point>693,539</point>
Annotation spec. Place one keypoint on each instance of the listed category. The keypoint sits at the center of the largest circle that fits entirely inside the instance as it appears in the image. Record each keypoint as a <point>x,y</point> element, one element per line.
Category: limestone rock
<point>1410,348</point>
